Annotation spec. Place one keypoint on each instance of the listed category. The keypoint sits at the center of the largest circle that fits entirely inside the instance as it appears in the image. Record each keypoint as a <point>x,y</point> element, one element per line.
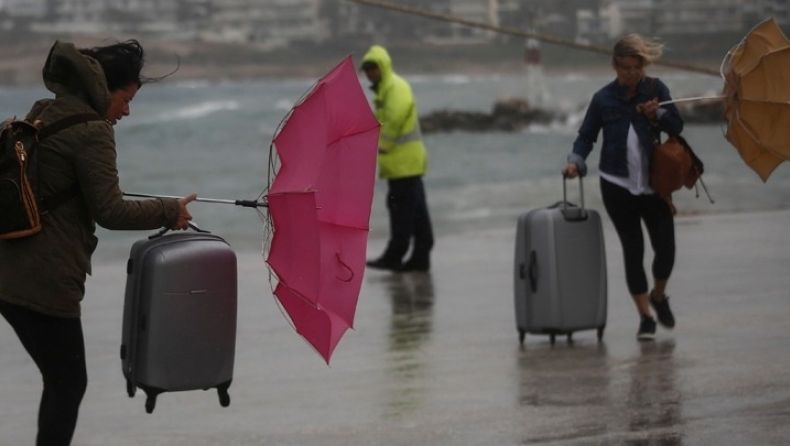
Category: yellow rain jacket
<point>401,151</point>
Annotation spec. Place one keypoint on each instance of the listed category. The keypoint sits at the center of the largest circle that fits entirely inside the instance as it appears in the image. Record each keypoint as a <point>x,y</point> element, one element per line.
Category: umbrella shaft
<point>244,203</point>
<point>674,101</point>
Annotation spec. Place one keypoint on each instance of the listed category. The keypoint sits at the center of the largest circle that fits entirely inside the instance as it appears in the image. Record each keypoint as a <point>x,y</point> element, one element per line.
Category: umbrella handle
<point>337,254</point>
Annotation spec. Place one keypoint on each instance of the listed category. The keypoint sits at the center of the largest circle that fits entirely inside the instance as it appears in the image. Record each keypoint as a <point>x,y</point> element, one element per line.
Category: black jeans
<point>409,218</point>
<point>627,212</point>
<point>57,347</point>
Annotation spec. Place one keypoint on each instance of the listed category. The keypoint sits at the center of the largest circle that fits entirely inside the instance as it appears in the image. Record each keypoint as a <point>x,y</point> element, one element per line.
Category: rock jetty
<point>507,115</point>
<point>514,114</point>
<point>703,111</point>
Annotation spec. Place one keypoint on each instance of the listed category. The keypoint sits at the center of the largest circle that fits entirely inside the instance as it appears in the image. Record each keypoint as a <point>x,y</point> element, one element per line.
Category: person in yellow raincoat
<point>402,161</point>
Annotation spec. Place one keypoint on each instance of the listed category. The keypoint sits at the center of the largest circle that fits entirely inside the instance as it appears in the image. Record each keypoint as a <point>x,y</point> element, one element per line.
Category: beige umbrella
<point>757,97</point>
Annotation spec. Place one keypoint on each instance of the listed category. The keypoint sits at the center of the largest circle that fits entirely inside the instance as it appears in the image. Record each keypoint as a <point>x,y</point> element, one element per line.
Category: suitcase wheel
<point>551,338</point>
<point>150,403</point>
<point>600,333</point>
<point>570,338</point>
<point>131,389</point>
<point>521,335</point>
<point>222,392</point>
<point>224,398</point>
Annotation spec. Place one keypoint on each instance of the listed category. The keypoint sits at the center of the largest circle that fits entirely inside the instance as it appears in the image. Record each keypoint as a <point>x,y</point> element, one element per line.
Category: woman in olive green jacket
<point>42,277</point>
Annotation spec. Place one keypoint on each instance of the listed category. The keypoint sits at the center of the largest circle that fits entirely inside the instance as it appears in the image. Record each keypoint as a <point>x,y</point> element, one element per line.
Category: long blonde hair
<point>636,45</point>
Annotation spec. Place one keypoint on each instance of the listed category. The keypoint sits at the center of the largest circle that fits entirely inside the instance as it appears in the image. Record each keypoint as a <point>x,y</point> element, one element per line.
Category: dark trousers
<point>627,212</point>
<point>58,349</point>
<point>409,219</point>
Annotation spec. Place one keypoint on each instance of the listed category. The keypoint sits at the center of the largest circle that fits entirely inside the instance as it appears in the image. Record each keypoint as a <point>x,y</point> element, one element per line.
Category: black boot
<point>419,265</point>
<point>385,263</point>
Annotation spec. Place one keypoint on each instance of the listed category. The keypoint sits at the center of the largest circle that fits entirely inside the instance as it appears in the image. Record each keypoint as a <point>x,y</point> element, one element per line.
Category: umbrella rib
<point>306,301</point>
<point>352,134</point>
<point>298,294</point>
<point>345,226</point>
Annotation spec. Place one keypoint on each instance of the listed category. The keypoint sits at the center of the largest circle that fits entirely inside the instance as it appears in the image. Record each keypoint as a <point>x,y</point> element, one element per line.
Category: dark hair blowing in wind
<point>122,63</point>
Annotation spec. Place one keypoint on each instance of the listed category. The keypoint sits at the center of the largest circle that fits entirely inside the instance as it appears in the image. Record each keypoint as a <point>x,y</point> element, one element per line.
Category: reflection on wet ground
<point>411,297</point>
<point>654,403</point>
<point>630,401</point>
<point>553,376</point>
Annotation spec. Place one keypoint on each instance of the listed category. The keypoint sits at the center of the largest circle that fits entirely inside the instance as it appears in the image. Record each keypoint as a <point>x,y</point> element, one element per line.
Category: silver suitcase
<point>179,316</point>
<point>560,270</point>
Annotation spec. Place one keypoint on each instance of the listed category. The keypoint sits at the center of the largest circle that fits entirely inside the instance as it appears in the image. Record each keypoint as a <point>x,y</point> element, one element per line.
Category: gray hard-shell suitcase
<point>179,316</point>
<point>560,270</point>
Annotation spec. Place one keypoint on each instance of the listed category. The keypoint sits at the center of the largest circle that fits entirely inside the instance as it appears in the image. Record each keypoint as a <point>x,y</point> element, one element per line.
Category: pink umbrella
<point>320,204</point>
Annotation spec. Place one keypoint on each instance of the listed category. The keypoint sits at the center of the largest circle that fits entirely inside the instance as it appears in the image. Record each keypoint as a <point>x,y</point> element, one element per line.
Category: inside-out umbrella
<point>756,95</point>
<point>320,203</point>
<point>322,167</point>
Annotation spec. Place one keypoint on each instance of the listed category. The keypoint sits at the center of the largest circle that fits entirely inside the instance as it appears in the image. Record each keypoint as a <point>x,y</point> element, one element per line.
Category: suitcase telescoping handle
<point>571,212</point>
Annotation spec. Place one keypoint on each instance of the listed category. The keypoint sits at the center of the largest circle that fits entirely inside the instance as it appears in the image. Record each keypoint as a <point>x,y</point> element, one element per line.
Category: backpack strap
<point>51,202</point>
<point>57,126</point>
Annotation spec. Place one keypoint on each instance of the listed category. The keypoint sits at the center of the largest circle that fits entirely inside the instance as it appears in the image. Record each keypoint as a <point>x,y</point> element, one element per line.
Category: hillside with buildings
<point>244,39</point>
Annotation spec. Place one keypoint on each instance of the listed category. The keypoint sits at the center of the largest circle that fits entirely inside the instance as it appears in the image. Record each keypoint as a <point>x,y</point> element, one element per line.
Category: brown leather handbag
<point>674,165</point>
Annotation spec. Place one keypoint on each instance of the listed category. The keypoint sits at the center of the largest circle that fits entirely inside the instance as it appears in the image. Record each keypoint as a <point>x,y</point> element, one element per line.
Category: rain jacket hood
<point>379,55</point>
<point>67,72</point>
<point>401,150</point>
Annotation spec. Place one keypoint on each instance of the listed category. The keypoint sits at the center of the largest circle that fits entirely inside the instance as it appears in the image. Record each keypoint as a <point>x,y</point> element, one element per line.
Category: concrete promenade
<point>435,359</point>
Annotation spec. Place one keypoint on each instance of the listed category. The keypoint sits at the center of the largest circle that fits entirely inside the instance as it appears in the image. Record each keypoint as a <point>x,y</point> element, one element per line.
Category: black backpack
<point>21,206</point>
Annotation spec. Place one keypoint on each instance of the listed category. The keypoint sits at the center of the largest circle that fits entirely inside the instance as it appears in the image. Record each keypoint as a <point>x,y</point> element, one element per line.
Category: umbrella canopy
<point>320,203</point>
<point>757,97</point>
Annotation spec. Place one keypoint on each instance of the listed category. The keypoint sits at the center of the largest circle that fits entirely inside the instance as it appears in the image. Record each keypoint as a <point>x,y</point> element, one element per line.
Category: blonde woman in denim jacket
<point>628,112</point>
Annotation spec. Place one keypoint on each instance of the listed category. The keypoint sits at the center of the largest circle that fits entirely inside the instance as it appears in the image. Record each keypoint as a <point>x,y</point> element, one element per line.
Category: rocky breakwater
<point>514,114</point>
<point>507,115</point>
<point>703,111</point>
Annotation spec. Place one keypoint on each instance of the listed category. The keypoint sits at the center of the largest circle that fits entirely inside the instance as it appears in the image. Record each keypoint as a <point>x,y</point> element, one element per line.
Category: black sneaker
<point>386,264</point>
<point>647,329</point>
<point>663,313</point>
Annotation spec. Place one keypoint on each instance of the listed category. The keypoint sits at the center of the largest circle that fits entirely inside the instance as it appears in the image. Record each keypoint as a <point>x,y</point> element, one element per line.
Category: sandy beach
<point>435,360</point>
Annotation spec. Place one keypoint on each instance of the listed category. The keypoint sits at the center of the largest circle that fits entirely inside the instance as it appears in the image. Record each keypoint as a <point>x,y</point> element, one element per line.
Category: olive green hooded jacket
<point>46,272</point>
<point>401,150</point>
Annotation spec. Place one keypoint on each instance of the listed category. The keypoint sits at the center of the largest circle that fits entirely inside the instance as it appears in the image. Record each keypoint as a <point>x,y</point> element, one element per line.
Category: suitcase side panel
<point>536,280</point>
<point>130,326</point>
<point>581,272</point>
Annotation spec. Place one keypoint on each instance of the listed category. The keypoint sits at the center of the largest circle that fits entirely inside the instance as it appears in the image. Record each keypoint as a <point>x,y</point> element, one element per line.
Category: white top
<point>638,180</point>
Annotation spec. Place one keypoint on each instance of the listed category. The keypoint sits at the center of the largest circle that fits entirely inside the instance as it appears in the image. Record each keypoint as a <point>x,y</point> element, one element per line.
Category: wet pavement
<point>435,359</point>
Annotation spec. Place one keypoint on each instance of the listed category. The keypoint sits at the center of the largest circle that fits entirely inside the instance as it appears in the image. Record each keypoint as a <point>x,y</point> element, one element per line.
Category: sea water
<point>214,138</point>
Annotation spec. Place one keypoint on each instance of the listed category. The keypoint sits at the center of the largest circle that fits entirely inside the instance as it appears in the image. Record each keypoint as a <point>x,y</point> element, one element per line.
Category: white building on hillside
<point>269,23</point>
<point>699,16</point>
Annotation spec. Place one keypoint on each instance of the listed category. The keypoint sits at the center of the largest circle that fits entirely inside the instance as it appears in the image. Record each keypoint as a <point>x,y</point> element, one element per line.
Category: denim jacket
<point>609,110</point>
